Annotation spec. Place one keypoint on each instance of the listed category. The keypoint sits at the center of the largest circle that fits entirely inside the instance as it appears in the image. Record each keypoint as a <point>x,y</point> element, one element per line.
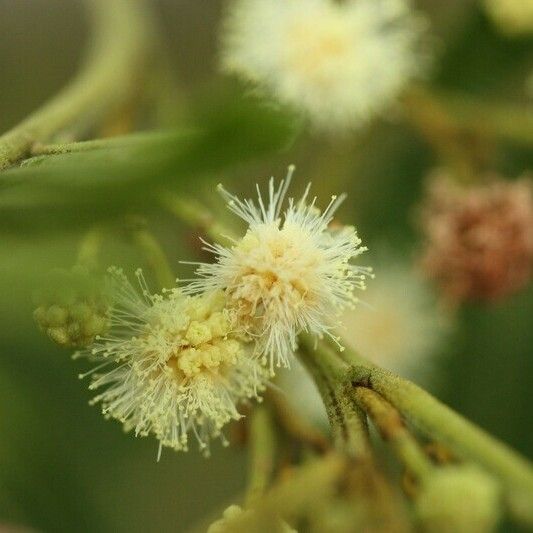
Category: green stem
<point>444,116</point>
<point>89,248</point>
<point>348,422</point>
<point>108,77</point>
<point>155,257</point>
<point>391,427</point>
<point>294,425</point>
<point>132,139</point>
<point>196,214</point>
<point>262,447</point>
<point>440,422</point>
<point>487,118</point>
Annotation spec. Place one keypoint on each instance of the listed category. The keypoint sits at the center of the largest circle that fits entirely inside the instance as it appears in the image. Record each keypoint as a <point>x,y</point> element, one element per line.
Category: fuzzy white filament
<point>291,271</point>
<point>171,365</point>
<point>338,62</point>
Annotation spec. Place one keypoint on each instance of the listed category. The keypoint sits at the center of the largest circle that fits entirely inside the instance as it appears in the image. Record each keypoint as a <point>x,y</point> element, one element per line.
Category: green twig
<point>348,422</point>
<point>262,445</point>
<point>440,113</point>
<point>89,248</point>
<point>296,426</point>
<point>487,118</point>
<point>120,41</point>
<point>440,422</point>
<point>391,427</point>
<point>122,141</point>
<point>155,257</point>
<point>197,215</point>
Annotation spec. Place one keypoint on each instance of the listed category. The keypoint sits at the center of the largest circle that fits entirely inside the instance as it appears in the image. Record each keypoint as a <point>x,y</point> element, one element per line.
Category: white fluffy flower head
<point>339,62</point>
<point>172,365</point>
<point>290,272</point>
<point>400,326</point>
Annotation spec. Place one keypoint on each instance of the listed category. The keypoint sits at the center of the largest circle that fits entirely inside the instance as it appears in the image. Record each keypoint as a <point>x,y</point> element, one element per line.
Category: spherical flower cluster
<point>512,16</point>
<point>290,272</point>
<point>171,364</point>
<point>72,308</point>
<point>479,239</point>
<point>400,327</point>
<point>459,498</point>
<point>339,62</point>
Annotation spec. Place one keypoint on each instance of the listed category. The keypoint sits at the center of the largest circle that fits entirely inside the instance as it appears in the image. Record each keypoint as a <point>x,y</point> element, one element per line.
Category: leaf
<point>105,179</point>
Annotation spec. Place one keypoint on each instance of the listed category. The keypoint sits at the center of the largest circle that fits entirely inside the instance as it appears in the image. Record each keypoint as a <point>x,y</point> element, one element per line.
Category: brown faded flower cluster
<point>479,240</point>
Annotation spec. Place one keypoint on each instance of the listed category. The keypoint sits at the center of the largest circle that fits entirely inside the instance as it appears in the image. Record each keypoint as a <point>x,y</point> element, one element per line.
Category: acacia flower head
<point>291,271</point>
<point>400,327</point>
<point>171,364</point>
<point>338,62</point>
<point>479,239</point>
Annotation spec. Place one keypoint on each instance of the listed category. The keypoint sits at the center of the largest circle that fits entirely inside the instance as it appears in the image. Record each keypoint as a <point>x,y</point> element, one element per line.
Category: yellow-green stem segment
<point>441,423</point>
<point>120,41</point>
<point>262,450</point>
<point>391,427</point>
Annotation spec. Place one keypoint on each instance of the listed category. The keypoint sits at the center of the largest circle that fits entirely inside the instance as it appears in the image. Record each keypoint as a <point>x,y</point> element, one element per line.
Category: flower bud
<point>458,499</point>
<point>72,308</point>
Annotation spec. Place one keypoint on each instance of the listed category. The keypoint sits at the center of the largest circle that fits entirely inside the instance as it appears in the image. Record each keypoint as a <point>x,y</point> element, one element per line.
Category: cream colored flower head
<point>511,16</point>
<point>400,326</point>
<point>171,365</point>
<point>338,62</point>
<point>291,271</point>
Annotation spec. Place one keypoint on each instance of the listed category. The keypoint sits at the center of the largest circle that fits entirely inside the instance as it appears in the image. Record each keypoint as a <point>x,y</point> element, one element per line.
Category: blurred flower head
<point>171,365</point>
<point>459,498</point>
<point>479,240</point>
<point>339,62</point>
<point>399,326</point>
<point>289,273</point>
<point>511,16</point>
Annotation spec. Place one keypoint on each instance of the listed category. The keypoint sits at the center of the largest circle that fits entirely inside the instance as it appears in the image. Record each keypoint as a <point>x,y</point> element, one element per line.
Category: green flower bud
<point>72,308</point>
<point>459,499</point>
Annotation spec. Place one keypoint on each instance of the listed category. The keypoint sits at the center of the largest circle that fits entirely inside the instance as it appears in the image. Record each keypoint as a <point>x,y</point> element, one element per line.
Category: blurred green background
<point>62,467</point>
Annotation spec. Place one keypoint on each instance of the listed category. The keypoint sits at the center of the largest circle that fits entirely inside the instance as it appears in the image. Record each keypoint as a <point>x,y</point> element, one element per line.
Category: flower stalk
<point>155,257</point>
<point>262,451</point>
<point>89,248</point>
<point>296,426</point>
<point>393,430</point>
<point>441,423</point>
<point>461,128</point>
<point>347,420</point>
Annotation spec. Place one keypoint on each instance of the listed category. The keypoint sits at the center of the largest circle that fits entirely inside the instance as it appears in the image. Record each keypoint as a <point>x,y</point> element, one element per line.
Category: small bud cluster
<point>72,308</point>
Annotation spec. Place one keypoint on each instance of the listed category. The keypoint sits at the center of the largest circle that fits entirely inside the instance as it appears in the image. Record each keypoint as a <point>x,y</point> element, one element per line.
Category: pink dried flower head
<point>479,239</point>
